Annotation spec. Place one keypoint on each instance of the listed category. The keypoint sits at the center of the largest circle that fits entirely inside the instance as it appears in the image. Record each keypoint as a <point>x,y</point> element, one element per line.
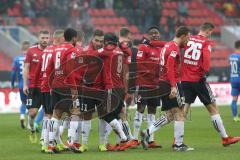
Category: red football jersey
<point>113,61</point>
<point>33,56</point>
<point>196,58</point>
<point>56,69</point>
<point>147,73</point>
<point>46,56</point>
<point>169,63</point>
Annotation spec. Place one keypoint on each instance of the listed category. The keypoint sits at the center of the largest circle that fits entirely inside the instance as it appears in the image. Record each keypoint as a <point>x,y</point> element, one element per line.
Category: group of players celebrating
<point>66,77</point>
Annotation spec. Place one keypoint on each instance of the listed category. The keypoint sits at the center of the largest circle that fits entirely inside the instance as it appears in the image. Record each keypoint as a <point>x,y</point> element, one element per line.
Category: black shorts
<point>112,106</point>
<point>147,97</point>
<point>201,89</point>
<point>61,98</point>
<point>34,98</point>
<point>178,101</point>
<point>46,102</point>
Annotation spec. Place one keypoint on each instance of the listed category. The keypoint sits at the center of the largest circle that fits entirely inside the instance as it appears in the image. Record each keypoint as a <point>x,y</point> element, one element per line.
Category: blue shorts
<point>22,96</point>
<point>235,89</point>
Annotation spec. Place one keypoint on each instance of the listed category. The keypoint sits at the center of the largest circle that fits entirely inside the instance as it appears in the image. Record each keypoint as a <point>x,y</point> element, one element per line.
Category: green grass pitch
<point>199,133</point>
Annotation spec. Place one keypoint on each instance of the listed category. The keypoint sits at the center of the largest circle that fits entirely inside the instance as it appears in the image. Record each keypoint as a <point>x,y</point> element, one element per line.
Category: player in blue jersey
<point>235,79</point>
<point>17,71</point>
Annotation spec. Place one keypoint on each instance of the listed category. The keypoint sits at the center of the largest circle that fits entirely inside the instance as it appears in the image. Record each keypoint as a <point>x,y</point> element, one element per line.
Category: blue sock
<point>22,110</point>
<point>40,115</point>
<point>234,108</point>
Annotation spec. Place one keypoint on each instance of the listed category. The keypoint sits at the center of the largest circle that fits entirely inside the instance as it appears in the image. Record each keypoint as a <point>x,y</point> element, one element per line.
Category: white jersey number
<point>45,61</point>
<point>120,64</point>
<point>195,48</point>
<point>234,67</point>
<point>57,60</point>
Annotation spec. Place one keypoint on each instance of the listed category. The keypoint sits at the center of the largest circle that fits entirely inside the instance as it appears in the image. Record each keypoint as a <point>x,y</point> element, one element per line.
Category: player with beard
<point>31,87</point>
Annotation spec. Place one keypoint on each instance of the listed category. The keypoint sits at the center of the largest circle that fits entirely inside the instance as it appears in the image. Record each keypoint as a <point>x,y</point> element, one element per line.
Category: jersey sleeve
<point>158,43</point>
<point>171,71</point>
<point>49,71</point>
<point>207,49</point>
<point>28,57</point>
<point>142,51</point>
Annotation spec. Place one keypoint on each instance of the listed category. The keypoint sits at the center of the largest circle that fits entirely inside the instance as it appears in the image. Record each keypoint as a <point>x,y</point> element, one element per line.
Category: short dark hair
<point>237,44</point>
<point>69,34</point>
<point>98,32</point>
<point>124,32</point>
<point>182,30</point>
<point>207,26</point>
<point>110,38</point>
<point>153,27</point>
<point>43,31</point>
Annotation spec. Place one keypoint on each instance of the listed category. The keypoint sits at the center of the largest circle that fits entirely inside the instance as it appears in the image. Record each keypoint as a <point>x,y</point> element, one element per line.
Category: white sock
<point>22,116</point>
<point>107,132</point>
<point>46,126</point>
<point>101,130</point>
<point>118,129</point>
<point>127,130</point>
<point>151,120</point>
<point>137,124</point>
<point>65,124</point>
<point>54,128</point>
<point>218,125</point>
<point>118,138</point>
<point>178,132</point>
<point>86,128</point>
<point>31,123</point>
<point>58,137</point>
<point>43,123</point>
<point>73,127</point>
<point>162,121</point>
<point>78,132</point>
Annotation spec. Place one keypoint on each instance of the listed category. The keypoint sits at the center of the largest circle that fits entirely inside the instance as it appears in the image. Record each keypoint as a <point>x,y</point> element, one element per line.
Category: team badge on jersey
<point>173,54</point>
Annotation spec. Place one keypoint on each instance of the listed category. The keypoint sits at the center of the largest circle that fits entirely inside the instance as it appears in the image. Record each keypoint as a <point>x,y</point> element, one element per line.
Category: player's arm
<point>206,58</point>
<point>26,69</point>
<point>158,43</point>
<point>49,71</point>
<point>171,72</point>
<point>14,72</point>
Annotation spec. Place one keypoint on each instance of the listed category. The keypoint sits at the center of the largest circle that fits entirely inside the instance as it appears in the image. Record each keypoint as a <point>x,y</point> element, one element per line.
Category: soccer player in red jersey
<point>113,59</point>
<point>61,98</point>
<point>172,102</point>
<point>147,76</point>
<point>91,50</point>
<point>45,90</point>
<point>31,87</point>
<point>194,67</point>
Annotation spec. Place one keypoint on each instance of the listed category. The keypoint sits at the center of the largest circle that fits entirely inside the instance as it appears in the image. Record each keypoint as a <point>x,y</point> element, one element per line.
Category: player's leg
<point>64,124</point>
<point>87,107</point>
<point>60,104</point>
<point>206,96</point>
<point>234,94</point>
<point>38,119</point>
<point>152,108</point>
<point>23,108</point>
<point>33,104</point>
<point>138,118</point>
